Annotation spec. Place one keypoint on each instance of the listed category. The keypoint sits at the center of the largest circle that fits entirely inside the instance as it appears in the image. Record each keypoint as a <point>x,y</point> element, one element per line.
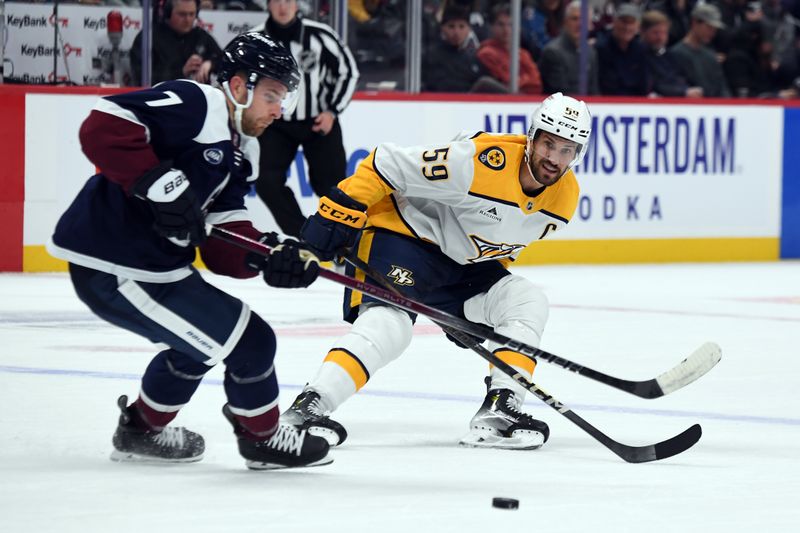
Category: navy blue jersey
<point>128,134</point>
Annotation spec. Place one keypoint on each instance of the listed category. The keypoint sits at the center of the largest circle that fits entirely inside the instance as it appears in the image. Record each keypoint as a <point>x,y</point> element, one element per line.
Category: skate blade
<point>331,437</point>
<point>128,457</point>
<point>258,465</point>
<point>520,440</point>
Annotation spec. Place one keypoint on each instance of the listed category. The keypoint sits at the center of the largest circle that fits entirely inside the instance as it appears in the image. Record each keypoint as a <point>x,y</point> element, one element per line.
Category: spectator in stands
<point>180,49</point>
<point>559,62</point>
<point>451,65</point>
<point>667,79</point>
<point>495,56</point>
<point>474,9</point>
<point>782,29</point>
<point>732,14</point>
<point>749,67</point>
<point>678,12</point>
<point>621,56</point>
<point>697,62</point>
<point>543,20</point>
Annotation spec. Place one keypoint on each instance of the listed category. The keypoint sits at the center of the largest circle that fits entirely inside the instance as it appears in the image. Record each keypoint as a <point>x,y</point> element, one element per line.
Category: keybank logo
<point>648,144</point>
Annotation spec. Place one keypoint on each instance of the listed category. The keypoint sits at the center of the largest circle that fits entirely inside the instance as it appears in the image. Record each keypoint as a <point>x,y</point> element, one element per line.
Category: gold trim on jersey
<point>366,185</point>
<point>364,248</point>
<point>350,364</point>
<point>515,359</point>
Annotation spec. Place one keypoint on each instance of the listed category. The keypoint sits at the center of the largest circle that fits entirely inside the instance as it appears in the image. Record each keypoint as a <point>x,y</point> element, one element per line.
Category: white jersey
<point>464,196</point>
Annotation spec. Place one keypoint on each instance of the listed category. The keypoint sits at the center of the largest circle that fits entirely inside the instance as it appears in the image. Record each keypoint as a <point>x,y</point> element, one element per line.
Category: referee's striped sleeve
<point>342,75</point>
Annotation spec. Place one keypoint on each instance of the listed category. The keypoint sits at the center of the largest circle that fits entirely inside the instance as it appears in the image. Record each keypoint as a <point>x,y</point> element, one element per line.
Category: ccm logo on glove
<point>341,214</point>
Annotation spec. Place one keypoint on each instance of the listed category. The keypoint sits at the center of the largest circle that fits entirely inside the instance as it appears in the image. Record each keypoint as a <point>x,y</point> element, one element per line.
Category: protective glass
<point>289,102</point>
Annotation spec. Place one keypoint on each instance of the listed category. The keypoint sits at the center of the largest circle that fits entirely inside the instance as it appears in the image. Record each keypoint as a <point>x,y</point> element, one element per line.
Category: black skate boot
<point>171,445</point>
<point>306,413</point>
<point>289,447</point>
<point>500,424</point>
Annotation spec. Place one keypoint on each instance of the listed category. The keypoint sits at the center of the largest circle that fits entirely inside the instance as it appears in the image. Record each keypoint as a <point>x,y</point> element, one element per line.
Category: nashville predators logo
<point>401,276</point>
<point>489,251</point>
<point>493,157</point>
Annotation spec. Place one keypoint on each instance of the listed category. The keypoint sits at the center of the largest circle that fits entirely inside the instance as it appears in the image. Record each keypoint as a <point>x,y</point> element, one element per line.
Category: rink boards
<point>662,181</point>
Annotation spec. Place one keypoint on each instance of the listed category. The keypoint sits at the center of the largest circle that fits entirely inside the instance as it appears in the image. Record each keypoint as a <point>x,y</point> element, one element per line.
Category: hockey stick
<point>697,364</point>
<point>631,454</point>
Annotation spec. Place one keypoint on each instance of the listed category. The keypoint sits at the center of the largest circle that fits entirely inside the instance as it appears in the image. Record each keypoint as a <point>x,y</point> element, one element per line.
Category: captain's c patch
<point>493,157</point>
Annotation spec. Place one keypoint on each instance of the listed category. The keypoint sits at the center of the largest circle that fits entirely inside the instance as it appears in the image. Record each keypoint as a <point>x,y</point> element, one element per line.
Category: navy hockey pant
<point>200,326</point>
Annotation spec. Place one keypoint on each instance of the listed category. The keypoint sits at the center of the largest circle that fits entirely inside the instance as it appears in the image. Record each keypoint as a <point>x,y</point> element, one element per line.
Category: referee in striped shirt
<point>329,77</point>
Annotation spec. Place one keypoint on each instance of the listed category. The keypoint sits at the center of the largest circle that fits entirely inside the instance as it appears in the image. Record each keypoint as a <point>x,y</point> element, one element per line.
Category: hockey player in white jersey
<point>442,223</point>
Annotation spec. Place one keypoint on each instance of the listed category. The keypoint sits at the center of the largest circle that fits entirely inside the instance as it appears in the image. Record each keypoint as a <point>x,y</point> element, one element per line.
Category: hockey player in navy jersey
<point>173,158</point>
<point>442,223</point>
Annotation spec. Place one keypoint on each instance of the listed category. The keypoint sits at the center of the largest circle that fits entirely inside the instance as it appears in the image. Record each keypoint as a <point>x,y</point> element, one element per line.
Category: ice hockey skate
<point>306,412</point>
<point>289,447</point>
<point>500,424</point>
<point>171,445</point>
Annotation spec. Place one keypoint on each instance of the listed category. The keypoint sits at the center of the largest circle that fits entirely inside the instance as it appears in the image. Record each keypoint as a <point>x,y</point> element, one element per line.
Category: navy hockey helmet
<point>260,56</point>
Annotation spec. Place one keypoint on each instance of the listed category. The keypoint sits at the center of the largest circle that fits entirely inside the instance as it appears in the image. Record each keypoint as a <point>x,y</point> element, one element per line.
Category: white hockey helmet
<point>566,117</point>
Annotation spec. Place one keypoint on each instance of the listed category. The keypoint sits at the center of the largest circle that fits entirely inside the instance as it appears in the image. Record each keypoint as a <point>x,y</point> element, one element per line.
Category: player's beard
<point>544,171</point>
<point>252,127</point>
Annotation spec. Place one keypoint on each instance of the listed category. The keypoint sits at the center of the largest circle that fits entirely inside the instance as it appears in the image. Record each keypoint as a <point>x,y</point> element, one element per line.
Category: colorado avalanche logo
<point>213,156</point>
<point>488,251</point>
<point>493,157</point>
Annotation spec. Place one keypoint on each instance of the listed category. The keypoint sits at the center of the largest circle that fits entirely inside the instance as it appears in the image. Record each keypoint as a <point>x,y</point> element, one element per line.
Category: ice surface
<point>61,370</point>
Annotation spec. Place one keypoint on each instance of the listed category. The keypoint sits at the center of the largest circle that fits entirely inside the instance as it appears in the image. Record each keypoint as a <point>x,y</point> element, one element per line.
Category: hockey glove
<point>334,228</point>
<point>460,344</point>
<point>174,206</point>
<point>289,265</point>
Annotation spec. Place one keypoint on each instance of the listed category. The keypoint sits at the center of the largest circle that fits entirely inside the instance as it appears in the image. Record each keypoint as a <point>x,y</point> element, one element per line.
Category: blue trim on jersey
<point>553,215</point>
<point>379,173</point>
<point>493,199</point>
<point>790,212</point>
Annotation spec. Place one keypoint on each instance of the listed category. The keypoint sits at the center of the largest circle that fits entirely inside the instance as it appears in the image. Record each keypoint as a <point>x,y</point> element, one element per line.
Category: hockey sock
<point>250,382</point>
<point>168,383</point>
<point>258,427</point>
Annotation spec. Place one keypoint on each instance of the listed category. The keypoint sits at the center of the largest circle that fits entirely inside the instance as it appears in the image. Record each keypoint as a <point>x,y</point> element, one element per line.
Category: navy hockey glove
<point>289,265</point>
<point>335,226</point>
<point>174,206</point>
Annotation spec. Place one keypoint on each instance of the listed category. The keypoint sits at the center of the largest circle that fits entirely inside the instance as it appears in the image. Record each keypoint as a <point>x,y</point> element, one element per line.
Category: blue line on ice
<point>425,396</point>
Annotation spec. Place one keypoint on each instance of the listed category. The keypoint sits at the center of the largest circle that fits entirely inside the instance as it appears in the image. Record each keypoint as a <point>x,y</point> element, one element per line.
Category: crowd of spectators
<point>674,48</point>
<point>692,48</point>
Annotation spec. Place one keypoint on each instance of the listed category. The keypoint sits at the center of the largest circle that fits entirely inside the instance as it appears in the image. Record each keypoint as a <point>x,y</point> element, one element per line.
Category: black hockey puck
<point>505,503</point>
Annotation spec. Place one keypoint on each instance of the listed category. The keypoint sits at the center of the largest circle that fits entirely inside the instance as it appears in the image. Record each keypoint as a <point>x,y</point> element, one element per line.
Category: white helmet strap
<point>238,108</point>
